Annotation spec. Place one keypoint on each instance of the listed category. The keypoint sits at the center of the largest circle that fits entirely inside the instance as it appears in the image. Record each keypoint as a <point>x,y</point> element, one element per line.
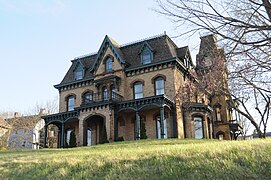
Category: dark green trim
<point>60,117</point>
<point>156,66</point>
<point>196,107</point>
<point>138,104</point>
<point>73,82</point>
<point>172,62</point>
<point>150,65</point>
<point>102,50</point>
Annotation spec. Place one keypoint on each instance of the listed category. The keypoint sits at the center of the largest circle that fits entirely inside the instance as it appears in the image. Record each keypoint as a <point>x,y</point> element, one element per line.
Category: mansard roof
<point>162,46</point>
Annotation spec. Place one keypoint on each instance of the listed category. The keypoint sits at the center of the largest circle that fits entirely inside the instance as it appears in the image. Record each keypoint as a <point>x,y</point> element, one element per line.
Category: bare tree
<point>48,107</point>
<point>243,28</point>
<point>246,125</point>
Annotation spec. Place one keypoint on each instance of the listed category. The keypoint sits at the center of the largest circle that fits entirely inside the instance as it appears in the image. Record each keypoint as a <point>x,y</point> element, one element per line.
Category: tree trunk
<point>267,7</point>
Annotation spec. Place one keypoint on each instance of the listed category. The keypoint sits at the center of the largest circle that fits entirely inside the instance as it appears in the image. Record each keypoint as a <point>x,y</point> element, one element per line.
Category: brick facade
<point>181,110</point>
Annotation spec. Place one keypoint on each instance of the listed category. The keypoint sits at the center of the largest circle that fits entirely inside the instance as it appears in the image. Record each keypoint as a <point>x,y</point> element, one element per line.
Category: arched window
<point>138,90</point>
<point>159,86</point>
<point>105,93</point>
<point>108,65</point>
<point>217,108</point>
<point>218,114</point>
<point>87,97</point>
<point>70,103</point>
<point>198,126</point>
<point>220,135</point>
<point>79,72</point>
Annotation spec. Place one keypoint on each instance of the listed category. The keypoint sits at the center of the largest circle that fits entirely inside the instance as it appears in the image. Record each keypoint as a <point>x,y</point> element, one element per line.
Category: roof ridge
<point>85,55</point>
<point>123,45</point>
<point>142,40</point>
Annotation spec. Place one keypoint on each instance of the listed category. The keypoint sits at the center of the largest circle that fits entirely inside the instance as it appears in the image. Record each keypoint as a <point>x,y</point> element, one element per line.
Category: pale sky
<point>38,38</point>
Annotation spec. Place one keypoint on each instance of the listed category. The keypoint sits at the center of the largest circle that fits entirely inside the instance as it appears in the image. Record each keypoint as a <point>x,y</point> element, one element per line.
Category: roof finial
<point>165,33</point>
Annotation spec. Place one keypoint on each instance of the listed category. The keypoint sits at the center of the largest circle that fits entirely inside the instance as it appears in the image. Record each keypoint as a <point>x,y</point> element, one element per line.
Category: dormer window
<point>146,54</point>
<point>79,72</point>
<point>146,57</point>
<point>108,65</point>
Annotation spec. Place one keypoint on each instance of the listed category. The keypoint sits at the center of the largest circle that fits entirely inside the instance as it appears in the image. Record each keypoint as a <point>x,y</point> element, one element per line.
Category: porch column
<point>62,135</point>
<point>82,132</point>
<point>45,135</point>
<point>58,138</point>
<point>115,126</point>
<point>162,118</point>
<point>137,126</point>
<point>172,124</point>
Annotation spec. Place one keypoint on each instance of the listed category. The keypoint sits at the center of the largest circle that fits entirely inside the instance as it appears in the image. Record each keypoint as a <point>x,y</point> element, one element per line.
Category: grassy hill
<point>148,159</point>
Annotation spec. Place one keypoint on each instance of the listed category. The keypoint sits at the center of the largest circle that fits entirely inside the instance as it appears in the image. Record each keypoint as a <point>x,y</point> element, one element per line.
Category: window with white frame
<point>108,65</point>
<point>105,94</point>
<point>138,90</point>
<point>70,103</point>
<point>146,57</point>
<point>159,86</point>
<point>79,72</point>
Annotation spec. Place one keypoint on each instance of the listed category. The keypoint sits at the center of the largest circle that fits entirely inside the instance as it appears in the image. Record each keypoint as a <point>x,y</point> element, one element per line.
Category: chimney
<point>42,111</point>
<point>16,115</point>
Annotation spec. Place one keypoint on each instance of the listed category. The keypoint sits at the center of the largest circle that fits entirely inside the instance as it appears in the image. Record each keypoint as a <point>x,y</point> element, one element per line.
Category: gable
<point>116,65</point>
<point>108,43</point>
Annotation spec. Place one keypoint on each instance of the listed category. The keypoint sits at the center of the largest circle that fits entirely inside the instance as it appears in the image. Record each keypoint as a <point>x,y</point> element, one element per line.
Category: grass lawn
<point>145,159</point>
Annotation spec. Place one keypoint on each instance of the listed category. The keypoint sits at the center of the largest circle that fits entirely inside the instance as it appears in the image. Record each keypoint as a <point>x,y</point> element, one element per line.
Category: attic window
<point>79,72</point>
<point>146,57</point>
<point>108,65</point>
<point>146,53</point>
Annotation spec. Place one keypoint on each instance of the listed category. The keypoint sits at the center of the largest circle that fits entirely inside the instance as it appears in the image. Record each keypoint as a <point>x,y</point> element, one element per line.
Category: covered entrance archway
<point>94,130</point>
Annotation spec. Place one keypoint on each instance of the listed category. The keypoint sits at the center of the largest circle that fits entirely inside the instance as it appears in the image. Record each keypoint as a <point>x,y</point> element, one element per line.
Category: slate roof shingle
<point>163,48</point>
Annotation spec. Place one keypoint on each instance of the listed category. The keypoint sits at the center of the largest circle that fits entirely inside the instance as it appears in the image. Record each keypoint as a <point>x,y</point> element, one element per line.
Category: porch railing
<point>103,97</point>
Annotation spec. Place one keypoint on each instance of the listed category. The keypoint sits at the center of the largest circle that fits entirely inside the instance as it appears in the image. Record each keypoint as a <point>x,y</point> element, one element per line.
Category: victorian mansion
<point>136,91</point>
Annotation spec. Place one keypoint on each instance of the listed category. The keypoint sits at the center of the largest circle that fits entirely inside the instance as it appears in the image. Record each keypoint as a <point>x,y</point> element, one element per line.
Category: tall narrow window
<point>138,90</point>
<point>159,86</point>
<point>79,72</point>
<point>218,113</point>
<point>198,126</point>
<point>113,92</point>
<point>87,97</point>
<point>70,103</point>
<point>105,93</point>
<point>108,65</point>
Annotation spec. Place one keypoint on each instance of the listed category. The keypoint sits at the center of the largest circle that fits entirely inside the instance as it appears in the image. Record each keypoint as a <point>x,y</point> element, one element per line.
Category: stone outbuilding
<point>25,132</point>
<point>5,129</point>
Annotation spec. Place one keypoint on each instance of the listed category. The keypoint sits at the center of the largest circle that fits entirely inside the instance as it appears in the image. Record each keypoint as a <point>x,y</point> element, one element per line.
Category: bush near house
<point>145,159</point>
